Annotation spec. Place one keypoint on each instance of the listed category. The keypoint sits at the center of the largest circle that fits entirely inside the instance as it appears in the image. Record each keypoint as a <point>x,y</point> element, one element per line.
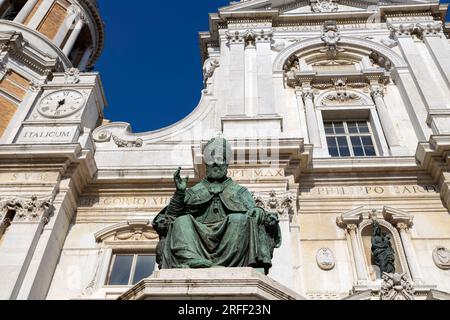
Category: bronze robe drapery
<point>208,226</point>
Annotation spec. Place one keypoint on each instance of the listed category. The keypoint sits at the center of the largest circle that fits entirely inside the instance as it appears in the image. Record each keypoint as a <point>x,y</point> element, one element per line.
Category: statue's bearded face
<point>216,171</point>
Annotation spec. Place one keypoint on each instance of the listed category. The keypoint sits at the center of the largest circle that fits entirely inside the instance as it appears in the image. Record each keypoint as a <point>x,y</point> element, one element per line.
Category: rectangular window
<point>129,269</point>
<point>350,139</point>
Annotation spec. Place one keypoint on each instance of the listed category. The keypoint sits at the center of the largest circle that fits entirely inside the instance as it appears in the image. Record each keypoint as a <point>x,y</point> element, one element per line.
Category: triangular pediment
<point>306,6</point>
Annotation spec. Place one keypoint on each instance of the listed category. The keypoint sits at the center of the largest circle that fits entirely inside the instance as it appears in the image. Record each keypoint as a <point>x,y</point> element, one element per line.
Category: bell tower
<point>46,47</point>
<point>50,102</point>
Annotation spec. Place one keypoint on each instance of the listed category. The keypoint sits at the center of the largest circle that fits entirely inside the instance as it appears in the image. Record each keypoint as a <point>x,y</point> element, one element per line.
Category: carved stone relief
<point>209,67</point>
<point>282,203</point>
<point>441,257</point>
<point>331,36</point>
<point>325,259</point>
<point>72,76</point>
<point>321,6</point>
<point>132,230</point>
<point>33,210</point>
<point>105,134</point>
<point>396,287</point>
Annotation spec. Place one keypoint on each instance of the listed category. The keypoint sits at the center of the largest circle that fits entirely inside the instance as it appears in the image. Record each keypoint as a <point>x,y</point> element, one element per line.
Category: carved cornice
<point>358,215</point>
<point>327,81</point>
<point>15,46</point>
<point>398,217</point>
<point>434,157</point>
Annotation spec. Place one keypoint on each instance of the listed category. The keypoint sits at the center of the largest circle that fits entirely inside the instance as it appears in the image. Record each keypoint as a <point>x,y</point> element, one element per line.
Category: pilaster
<point>32,244</point>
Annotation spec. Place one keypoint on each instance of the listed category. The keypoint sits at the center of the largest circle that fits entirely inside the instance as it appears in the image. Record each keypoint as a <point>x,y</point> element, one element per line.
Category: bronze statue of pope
<point>216,223</point>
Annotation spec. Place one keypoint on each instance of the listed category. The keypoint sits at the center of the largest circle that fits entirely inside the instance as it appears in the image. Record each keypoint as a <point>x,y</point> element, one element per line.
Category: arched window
<point>127,256</point>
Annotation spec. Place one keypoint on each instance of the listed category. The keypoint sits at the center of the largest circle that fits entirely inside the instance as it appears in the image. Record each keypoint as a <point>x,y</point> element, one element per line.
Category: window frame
<point>135,254</point>
<point>348,136</point>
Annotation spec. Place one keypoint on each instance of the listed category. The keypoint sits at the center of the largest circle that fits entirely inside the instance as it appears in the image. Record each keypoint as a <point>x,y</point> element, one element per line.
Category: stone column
<point>85,60</point>
<point>72,14</point>
<point>409,252</point>
<point>359,258</point>
<point>73,37</point>
<point>311,118</point>
<point>26,10</point>
<point>20,242</point>
<point>236,81</point>
<point>386,122</point>
<point>302,113</point>
<point>266,104</point>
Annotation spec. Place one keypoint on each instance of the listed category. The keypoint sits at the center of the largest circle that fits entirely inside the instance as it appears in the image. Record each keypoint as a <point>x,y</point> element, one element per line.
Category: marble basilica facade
<point>338,112</point>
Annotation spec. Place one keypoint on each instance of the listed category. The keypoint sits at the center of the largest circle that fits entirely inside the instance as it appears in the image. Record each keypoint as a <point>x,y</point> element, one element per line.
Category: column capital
<point>432,29</point>
<point>377,91</point>
<point>352,227</point>
<point>29,211</point>
<point>307,93</point>
<point>402,226</point>
<point>236,37</point>
<point>263,36</point>
<point>401,30</point>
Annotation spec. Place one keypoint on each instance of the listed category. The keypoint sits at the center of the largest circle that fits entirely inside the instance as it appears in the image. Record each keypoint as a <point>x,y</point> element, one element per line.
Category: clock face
<point>61,104</point>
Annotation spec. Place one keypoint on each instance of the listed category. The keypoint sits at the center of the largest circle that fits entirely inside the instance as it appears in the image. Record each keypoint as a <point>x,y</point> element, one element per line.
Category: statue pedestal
<point>209,284</point>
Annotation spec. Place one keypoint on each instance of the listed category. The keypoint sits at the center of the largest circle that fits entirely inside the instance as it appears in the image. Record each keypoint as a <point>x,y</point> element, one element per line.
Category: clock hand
<point>61,103</point>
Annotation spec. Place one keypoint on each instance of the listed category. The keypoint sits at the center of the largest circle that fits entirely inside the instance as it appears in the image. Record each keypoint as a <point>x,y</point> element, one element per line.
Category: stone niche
<point>209,284</point>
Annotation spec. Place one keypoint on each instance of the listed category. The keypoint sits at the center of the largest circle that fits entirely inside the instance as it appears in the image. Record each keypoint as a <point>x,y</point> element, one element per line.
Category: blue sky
<point>151,67</point>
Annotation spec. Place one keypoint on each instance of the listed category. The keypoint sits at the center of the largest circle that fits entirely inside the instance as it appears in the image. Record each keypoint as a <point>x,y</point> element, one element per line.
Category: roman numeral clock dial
<point>61,104</point>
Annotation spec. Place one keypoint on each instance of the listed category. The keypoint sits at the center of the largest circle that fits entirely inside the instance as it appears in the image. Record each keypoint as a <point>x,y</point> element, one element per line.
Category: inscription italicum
<point>52,134</point>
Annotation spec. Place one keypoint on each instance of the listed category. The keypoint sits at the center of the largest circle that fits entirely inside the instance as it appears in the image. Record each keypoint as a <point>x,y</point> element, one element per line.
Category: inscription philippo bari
<point>370,190</point>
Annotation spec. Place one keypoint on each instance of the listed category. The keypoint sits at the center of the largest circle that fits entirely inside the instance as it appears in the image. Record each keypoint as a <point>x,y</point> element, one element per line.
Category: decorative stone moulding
<point>431,28</point>
<point>13,45</point>
<point>441,257</point>
<point>119,133</point>
<point>72,76</point>
<point>325,259</point>
<point>209,67</point>
<point>396,287</point>
<point>323,6</point>
<point>32,210</point>
<point>282,203</point>
<point>132,230</point>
